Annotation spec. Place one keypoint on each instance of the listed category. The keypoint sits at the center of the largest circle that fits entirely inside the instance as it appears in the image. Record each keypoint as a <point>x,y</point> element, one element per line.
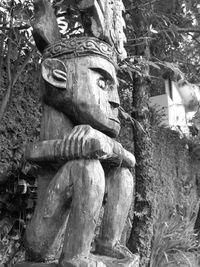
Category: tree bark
<point>142,230</point>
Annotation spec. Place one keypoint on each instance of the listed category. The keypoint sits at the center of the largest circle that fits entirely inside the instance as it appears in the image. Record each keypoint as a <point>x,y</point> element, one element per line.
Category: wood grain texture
<point>90,261</point>
<point>87,92</point>
<point>83,142</point>
<point>79,160</point>
<point>111,262</point>
<point>119,189</point>
<point>102,261</point>
<point>45,27</point>
<point>89,188</point>
<point>107,22</point>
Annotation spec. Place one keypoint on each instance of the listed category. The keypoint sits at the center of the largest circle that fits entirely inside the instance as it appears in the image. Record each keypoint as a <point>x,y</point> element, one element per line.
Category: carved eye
<point>102,83</point>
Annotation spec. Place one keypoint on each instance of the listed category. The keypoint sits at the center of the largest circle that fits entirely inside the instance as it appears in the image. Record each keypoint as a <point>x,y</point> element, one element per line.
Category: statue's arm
<point>82,142</point>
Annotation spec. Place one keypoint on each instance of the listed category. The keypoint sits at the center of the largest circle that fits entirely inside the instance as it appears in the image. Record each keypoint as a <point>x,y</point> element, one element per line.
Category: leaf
<point>185,258</point>
<point>153,64</point>
<point>152,30</point>
<point>172,66</point>
<point>130,73</point>
<point>136,124</point>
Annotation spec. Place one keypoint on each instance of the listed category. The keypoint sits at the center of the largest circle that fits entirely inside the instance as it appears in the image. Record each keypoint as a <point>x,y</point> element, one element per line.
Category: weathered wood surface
<point>103,261</point>
<point>54,125</point>
<point>45,27</point>
<point>111,262</point>
<point>119,190</point>
<point>84,142</point>
<point>79,90</point>
<point>52,209</point>
<point>83,88</point>
<point>91,261</point>
<point>78,186</point>
<point>107,22</point>
<point>80,118</point>
<point>88,192</point>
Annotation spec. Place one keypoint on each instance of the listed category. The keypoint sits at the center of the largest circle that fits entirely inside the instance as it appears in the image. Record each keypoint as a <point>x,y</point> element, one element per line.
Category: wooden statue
<point>81,165</point>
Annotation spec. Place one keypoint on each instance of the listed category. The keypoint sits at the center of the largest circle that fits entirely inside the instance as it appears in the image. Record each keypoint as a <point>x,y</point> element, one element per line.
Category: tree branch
<point>9,89</point>
<point>24,27</point>
<point>12,82</point>
<point>194,38</point>
<point>187,30</point>
<point>2,49</point>
<point>22,67</point>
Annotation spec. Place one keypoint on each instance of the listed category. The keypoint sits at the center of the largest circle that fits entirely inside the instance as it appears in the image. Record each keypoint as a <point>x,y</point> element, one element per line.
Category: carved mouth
<point>115,120</point>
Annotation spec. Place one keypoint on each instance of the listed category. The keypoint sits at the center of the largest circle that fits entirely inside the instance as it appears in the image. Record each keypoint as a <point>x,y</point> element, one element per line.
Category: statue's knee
<point>122,179</point>
<point>62,180</point>
<point>89,175</point>
<point>127,180</point>
<point>127,177</point>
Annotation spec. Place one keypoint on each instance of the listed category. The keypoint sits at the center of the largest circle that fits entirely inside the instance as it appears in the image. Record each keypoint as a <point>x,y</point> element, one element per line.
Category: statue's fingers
<point>85,138</point>
<point>78,145</point>
<point>62,146</point>
<point>73,142</point>
<point>79,149</point>
<point>69,140</point>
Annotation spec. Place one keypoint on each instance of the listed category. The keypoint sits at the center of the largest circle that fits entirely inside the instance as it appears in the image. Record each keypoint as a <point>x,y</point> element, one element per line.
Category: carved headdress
<point>107,22</point>
<point>81,46</point>
<point>106,30</point>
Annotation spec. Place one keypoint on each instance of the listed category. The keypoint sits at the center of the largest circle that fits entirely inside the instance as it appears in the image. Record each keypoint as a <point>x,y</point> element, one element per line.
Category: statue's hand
<point>80,142</point>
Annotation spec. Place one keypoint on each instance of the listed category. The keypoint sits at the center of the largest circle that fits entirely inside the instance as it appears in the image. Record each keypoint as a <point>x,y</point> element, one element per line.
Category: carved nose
<point>114,99</point>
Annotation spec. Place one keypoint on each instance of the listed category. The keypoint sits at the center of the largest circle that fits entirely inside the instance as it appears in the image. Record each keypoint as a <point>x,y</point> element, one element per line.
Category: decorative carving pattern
<point>78,47</point>
<point>107,22</point>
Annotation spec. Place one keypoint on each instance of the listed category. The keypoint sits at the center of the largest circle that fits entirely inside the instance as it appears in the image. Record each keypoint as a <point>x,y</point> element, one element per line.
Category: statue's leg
<point>89,188</point>
<point>119,187</point>
<point>47,223</point>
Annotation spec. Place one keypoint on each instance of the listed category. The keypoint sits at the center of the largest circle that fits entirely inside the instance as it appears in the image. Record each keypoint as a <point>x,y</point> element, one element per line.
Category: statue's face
<point>85,89</point>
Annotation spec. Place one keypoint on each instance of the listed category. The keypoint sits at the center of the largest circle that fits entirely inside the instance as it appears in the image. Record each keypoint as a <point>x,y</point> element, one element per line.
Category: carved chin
<point>109,126</point>
<point>97,119</point>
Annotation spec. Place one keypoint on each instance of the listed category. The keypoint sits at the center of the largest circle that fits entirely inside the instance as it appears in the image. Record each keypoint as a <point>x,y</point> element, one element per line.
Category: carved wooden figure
<point>79,160</point>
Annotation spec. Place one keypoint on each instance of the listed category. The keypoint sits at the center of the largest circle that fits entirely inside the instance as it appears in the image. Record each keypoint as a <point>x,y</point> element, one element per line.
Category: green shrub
<point>174,240</point>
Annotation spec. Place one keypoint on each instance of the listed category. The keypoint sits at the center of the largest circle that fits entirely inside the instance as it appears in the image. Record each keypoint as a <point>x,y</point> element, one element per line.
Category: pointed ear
<point>54,72</point>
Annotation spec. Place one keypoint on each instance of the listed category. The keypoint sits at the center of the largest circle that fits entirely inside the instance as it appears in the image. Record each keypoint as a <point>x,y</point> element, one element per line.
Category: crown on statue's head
<point>103,25</point>
<point>79,47</point>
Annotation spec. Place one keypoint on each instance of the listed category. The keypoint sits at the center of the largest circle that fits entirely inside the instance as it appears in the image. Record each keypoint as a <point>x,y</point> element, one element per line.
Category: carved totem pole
<point>81,165</point>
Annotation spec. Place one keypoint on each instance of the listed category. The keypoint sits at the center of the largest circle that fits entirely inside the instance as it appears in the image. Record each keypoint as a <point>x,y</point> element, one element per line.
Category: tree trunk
<point>142,231</point>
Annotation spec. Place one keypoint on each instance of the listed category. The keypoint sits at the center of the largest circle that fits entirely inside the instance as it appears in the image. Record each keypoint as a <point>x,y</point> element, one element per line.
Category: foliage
<point>176,202</point>
<point>19,125</point>
<point>161,34</point>
<point>21,122</point>
<point>174,240</point>
<point>16,48</point>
